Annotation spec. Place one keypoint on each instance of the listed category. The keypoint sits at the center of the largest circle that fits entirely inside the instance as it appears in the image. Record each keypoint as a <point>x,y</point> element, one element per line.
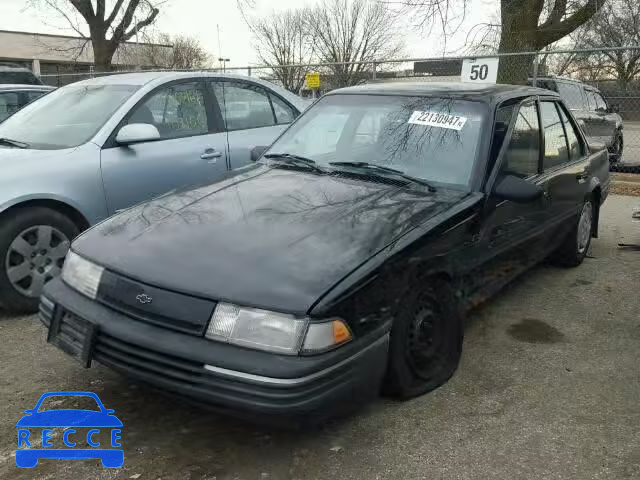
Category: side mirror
<point>581,123</point>
<point>137,133</point>
<point>614,108</point>
<point>515,189</point>
<point>256,153</point>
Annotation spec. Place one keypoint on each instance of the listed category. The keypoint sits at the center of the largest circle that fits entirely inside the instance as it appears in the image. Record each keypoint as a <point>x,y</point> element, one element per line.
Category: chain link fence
<point>601,86</point>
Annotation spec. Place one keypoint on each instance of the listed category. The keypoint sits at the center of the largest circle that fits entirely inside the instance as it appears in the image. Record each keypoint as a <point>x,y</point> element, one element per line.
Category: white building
<point>56,54</point>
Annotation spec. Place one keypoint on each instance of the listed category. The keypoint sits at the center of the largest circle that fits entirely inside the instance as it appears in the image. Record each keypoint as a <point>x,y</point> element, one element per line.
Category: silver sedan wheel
<point>585,227</point>
<point>35,257</point>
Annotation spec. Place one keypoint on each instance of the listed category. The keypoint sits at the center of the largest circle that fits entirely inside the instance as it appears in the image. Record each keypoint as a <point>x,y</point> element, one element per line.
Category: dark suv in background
<point>598,119</point>
<point>17,75</point>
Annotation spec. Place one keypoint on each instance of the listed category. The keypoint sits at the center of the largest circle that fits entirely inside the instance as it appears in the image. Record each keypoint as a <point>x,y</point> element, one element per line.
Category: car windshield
<point>435,139</point>
<point>67,117</point>
<point>69,402</point>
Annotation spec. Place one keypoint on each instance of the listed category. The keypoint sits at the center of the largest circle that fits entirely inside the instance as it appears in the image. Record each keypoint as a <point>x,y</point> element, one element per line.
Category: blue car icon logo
<point>99,423</point>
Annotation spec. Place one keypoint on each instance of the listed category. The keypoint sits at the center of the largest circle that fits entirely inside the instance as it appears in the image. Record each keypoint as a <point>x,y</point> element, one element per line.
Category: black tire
<point>16,224</point>
<point>617,148</point>
<point>426,342</point>
<point>572,251</point>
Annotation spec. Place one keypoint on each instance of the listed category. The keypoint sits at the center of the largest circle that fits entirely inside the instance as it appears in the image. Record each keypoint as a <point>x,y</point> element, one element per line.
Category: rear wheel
<point>33,245</point>
<point>426,342</point>
<point>575,246</point>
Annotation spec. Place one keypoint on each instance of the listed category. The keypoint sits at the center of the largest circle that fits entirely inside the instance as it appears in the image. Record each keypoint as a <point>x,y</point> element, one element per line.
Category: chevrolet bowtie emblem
<point>144,298</point>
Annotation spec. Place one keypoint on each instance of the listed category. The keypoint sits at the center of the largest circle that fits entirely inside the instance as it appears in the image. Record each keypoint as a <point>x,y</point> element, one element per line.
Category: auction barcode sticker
<point>438,119</point>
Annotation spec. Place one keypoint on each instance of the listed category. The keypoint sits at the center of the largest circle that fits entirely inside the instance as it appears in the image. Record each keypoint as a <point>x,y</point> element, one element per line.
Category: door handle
<point>210,154</point>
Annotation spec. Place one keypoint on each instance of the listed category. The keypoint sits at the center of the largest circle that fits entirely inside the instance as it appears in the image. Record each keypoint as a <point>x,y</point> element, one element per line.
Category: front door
<point>254,116</point>
<point>192,150</point>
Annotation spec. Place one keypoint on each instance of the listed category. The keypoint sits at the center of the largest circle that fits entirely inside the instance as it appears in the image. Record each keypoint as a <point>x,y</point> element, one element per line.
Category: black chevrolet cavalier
<point>341,262</point>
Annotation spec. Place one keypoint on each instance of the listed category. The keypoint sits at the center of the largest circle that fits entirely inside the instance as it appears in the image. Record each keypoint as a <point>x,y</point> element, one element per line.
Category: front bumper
<point>224,377</point>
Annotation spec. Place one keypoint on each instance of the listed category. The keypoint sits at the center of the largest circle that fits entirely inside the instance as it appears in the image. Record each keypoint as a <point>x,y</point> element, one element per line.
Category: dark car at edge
<point>342,261</point>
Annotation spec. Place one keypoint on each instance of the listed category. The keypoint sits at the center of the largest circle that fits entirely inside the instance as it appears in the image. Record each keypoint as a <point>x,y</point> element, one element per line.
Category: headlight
<point>274,332</point>
<point>82,275</point>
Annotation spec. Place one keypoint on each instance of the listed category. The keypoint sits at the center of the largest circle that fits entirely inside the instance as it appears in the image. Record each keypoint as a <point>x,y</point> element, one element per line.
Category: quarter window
<point>247,106</point>
<point>576,148</point>
<point>176,111</point>
<point>284,113</point>
<point>591,97</point>
<point>523,152</point>
<point>9,104</point>
<point>555,140</point>
<point>600,103</point>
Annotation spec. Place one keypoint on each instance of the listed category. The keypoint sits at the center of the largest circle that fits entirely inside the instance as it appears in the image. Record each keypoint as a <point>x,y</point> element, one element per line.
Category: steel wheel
<point>426,339</point>
<point>585,227</point>
<point>34,257</point>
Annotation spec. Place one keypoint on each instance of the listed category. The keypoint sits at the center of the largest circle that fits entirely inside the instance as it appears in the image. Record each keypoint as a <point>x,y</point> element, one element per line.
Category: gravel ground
<point>548,388</point>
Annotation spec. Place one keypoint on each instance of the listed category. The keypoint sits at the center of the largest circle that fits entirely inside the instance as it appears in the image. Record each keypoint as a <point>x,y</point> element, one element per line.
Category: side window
<point>571,94</point>
<point>284,113</point>
<point>555,140</point>
<point>600,103</point>
<point>176,111</point>
<point>576,148</point>
<point>9,104</point>
<point>247,106</point>
<point>523,152</point>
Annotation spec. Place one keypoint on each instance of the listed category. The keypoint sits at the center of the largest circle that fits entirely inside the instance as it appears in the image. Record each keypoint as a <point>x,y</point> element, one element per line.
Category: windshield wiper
<point>13,143</point>
<point>380,168</point>
<point>295,160</point>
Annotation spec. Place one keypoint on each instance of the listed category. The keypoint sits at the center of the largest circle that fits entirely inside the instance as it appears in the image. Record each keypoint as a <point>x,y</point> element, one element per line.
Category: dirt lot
<point>548,388</point>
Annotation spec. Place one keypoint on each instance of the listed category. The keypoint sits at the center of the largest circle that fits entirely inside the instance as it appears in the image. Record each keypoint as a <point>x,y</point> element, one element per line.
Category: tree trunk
<point>103,53</point>
<point>519,30</point>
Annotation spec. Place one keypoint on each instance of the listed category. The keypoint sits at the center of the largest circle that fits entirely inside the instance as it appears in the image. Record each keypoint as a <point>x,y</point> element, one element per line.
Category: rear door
<point>565,165</point>
<point>192,149</point>
<point>254,116</point>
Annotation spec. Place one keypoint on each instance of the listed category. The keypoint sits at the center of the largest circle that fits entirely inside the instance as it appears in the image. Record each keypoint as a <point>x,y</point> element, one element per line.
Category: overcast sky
<point>198,18</point>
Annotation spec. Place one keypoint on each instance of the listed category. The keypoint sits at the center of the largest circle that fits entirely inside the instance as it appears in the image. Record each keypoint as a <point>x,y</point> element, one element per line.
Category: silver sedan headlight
<point>274,332</point>
<point>82,275</point>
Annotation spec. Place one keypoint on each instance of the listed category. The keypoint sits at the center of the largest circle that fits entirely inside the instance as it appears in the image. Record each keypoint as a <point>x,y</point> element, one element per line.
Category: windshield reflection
<point>435,139</point>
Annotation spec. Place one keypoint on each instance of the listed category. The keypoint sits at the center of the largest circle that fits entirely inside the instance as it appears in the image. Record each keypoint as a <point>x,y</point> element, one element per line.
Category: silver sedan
<point>93,148</point>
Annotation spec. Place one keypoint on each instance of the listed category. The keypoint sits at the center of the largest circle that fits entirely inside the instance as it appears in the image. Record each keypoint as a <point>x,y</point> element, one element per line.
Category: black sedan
<point>342,261</point>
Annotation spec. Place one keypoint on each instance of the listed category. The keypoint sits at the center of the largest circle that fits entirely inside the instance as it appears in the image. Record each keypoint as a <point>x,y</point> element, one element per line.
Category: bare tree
<point>108,26</point>
<point>352,31</point>
<point>524,26</point>
<point>164,51</point>
<point>617,25</point>
<point>281,39</point>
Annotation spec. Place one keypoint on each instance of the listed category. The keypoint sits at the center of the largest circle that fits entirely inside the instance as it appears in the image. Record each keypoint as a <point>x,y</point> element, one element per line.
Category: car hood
<point>21,155</point>
<point>69,418</point>
<point>270,238</point>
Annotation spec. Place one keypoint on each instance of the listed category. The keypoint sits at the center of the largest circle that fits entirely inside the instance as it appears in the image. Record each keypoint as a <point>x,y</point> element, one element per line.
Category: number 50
<point>479,72</point>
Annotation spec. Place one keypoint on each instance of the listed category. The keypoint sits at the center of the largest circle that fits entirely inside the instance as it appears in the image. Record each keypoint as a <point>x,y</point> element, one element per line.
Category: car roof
<point>156,78</point>
<point>13,86</point>
<point>472,91</point>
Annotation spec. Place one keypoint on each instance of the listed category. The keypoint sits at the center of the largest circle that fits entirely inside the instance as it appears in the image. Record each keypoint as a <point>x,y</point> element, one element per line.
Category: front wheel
<point>575,246</point>
<point>426,341</point>
<point>33,244</point>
